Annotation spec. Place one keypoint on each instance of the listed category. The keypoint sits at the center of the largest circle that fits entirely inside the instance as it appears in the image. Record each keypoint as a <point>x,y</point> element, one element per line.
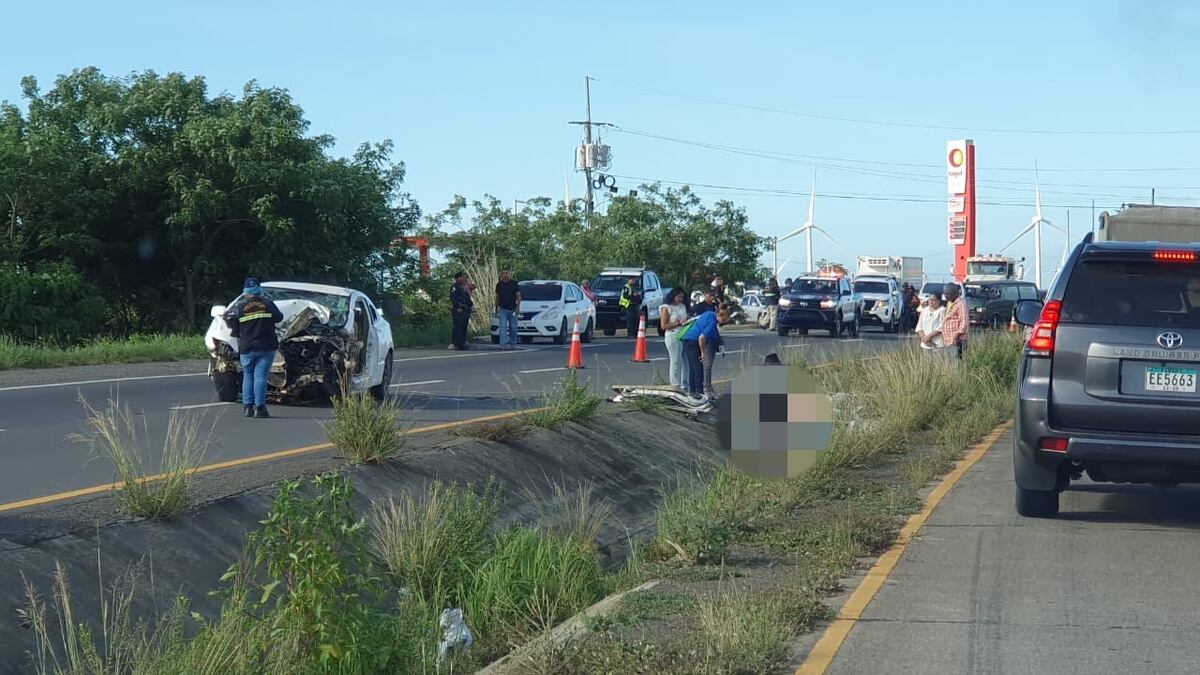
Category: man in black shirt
<point>708,304</point>
<point>508,301</point>
<point>461,305</point>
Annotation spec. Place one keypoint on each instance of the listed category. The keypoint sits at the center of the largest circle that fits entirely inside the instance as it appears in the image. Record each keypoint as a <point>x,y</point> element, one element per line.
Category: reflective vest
<point>626,296</point>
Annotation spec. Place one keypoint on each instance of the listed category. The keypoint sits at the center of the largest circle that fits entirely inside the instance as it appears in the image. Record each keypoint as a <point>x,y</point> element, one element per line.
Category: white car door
<point>574,309</point>
<point>363,325</point>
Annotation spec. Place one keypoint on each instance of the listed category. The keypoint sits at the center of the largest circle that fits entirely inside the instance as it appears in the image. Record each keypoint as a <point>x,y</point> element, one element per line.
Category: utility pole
<point>1151,196</point>
<point>587,156</point>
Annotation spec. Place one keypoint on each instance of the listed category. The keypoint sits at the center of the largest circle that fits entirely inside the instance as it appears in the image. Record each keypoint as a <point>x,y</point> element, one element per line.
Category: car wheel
<point>1037,503</point>
<point>857,326</point>
<point>783,331</point>
<point>835,331</point>
<point>380,391</point>
<point>495,339</point>
<point>563,336</point>
<point>228,386</point>
<point>589,333</point>
<point>526,339</point>
<point>609,332</point>
<point>996,322</point>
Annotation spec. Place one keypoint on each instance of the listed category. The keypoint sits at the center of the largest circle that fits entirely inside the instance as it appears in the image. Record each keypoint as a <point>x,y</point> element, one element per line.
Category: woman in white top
<point>929,325</point>
<point>672,314</point>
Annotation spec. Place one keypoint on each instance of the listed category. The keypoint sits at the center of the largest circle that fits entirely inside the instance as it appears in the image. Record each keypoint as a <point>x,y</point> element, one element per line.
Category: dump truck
<point>1145,222</point>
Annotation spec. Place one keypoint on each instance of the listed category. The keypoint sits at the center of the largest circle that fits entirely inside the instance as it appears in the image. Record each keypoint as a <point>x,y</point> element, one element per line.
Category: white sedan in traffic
<point>549,309</point>
<point>327,331</point>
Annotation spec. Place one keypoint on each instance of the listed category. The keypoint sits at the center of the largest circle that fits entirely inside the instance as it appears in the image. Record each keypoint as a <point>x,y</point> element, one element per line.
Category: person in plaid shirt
<point>956,323</point>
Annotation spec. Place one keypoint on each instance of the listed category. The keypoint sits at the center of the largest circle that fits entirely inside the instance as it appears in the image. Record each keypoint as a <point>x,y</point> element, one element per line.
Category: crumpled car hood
<point>299,315</point>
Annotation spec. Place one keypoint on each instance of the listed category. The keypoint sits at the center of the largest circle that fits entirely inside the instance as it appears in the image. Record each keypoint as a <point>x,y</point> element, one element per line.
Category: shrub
<point>570,401</point>
<point>50,302</point>
<point>700,524</point>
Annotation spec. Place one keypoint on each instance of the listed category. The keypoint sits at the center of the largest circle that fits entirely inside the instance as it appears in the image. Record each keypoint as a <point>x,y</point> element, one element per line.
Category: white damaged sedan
<point>327,331</point>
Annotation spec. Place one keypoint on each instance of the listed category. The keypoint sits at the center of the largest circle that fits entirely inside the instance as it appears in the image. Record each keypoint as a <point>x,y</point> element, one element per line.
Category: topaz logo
<point>1170,340</point>
<point>956,157</point>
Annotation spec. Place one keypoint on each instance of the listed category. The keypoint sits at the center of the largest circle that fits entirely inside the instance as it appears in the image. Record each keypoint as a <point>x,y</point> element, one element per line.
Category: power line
<point>780,192</point>
<point>908,125</point>
<point>826,161</point>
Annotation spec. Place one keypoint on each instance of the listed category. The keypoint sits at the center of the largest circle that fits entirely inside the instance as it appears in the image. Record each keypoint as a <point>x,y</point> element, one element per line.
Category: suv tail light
<point>1041,339</point>
<point>1175,256</point>
<point>1054,444</point>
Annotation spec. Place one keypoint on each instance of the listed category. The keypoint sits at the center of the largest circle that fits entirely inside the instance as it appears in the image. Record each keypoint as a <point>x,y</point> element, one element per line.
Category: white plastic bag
<point>455,636</point>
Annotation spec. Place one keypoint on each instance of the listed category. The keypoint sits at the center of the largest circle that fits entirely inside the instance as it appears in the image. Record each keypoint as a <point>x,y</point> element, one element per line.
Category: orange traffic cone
<point>575,358</point>
<point>1012,324</point>
<point>639,347</point>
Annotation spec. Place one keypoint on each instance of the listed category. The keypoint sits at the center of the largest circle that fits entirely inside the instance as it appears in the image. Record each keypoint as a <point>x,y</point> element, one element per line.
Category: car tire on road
<point>783,331</point>
<point>589,333</point>
<point>495,339</point>
<point>526,339</point>
<point>228,386</point>
<point>835,331</point>
<point>380,391</point>
<point>1037,503</point>
<point>856,327</point>
<point>563,336</point>
<point>609,332</point>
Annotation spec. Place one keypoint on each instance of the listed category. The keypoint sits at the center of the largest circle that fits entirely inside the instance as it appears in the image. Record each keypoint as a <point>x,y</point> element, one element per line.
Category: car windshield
<point>1133,294</point>
<point>980,292</point>
<point>814,286</point>
<point>608,283</point>
<point>932,287</point>
<point>339,305</point>
<point>870,287</point>
<point>541,292</point>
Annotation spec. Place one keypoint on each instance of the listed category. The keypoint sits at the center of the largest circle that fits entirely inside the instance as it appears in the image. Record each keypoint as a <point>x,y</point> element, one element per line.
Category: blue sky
<point>477,96</point>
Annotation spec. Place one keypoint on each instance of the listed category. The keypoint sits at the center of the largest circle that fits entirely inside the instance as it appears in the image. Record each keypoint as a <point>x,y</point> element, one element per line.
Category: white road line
<point>198,405</point>
<point>854,340</point>
<point>113,379</point>
<point>799,345</point>
<point>734,351</point>
<point>541,370</point>
<point>417,384</point>
<point>660,358</point>
<point>461,356</point>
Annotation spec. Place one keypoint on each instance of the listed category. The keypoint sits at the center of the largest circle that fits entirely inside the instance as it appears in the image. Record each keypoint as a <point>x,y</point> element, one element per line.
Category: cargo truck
<point>1143,222</point>
<point>906,269</point>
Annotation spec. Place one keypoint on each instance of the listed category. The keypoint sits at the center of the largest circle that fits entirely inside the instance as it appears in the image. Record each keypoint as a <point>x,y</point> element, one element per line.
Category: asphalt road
<point>1108,587</point>
<point>40,410</point>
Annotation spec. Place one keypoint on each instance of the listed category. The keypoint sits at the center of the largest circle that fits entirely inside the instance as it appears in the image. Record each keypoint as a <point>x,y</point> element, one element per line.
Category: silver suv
<point>1107,385</point>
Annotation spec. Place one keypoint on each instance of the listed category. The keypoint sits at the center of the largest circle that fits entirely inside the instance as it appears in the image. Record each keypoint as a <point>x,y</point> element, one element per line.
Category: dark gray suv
<point>1107,385</point>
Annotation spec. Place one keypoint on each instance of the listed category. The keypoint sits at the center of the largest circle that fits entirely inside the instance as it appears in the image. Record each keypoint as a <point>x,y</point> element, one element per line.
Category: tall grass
<point>699,523</point>
<point>484,271</point>
<point>116,435</point>
<point>429,544</point>
<point>569,401</point>
<point>365,430</point>
<point>744,632</point>
<point>134,349</point>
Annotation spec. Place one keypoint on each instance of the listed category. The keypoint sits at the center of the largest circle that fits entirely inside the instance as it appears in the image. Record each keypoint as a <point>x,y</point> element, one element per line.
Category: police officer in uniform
<point>631,303</point>
<point>770,296</point>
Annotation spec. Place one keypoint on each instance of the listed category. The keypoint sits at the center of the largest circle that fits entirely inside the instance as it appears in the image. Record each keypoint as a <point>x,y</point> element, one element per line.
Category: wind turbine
<point>807,228</point>
<point>1035,225</point>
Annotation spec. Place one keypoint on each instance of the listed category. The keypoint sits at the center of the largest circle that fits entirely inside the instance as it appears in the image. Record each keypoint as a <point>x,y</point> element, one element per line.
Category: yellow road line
<point>254,459</point>
<point>826,649</point>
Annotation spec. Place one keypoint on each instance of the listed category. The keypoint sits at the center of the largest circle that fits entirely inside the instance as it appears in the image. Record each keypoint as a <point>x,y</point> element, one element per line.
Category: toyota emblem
<point>1170,340</point>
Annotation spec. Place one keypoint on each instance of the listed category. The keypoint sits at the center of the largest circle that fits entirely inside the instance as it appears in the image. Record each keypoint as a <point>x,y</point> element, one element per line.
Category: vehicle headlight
<point>784,302</point>
<point>882,304</point>
<point>828,304</point>
<point>551,314</point>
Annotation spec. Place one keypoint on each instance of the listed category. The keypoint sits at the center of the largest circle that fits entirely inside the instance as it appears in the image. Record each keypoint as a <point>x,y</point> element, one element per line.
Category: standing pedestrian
<point>699,340</point>
<point>673,314</point>
<point>630,302</point>
<point>905,308</point>
<point>508,302</point>
<point>771,298</point>
<point>929,326</point>
<point>706,304</point>
<point>461,305</point>
<point>718,288</point>
<point>253,324</point>
<point>956,323</point>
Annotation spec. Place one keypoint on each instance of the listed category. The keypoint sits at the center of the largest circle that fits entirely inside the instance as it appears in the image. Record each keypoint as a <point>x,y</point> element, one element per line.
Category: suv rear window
<point>1137,293</point>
